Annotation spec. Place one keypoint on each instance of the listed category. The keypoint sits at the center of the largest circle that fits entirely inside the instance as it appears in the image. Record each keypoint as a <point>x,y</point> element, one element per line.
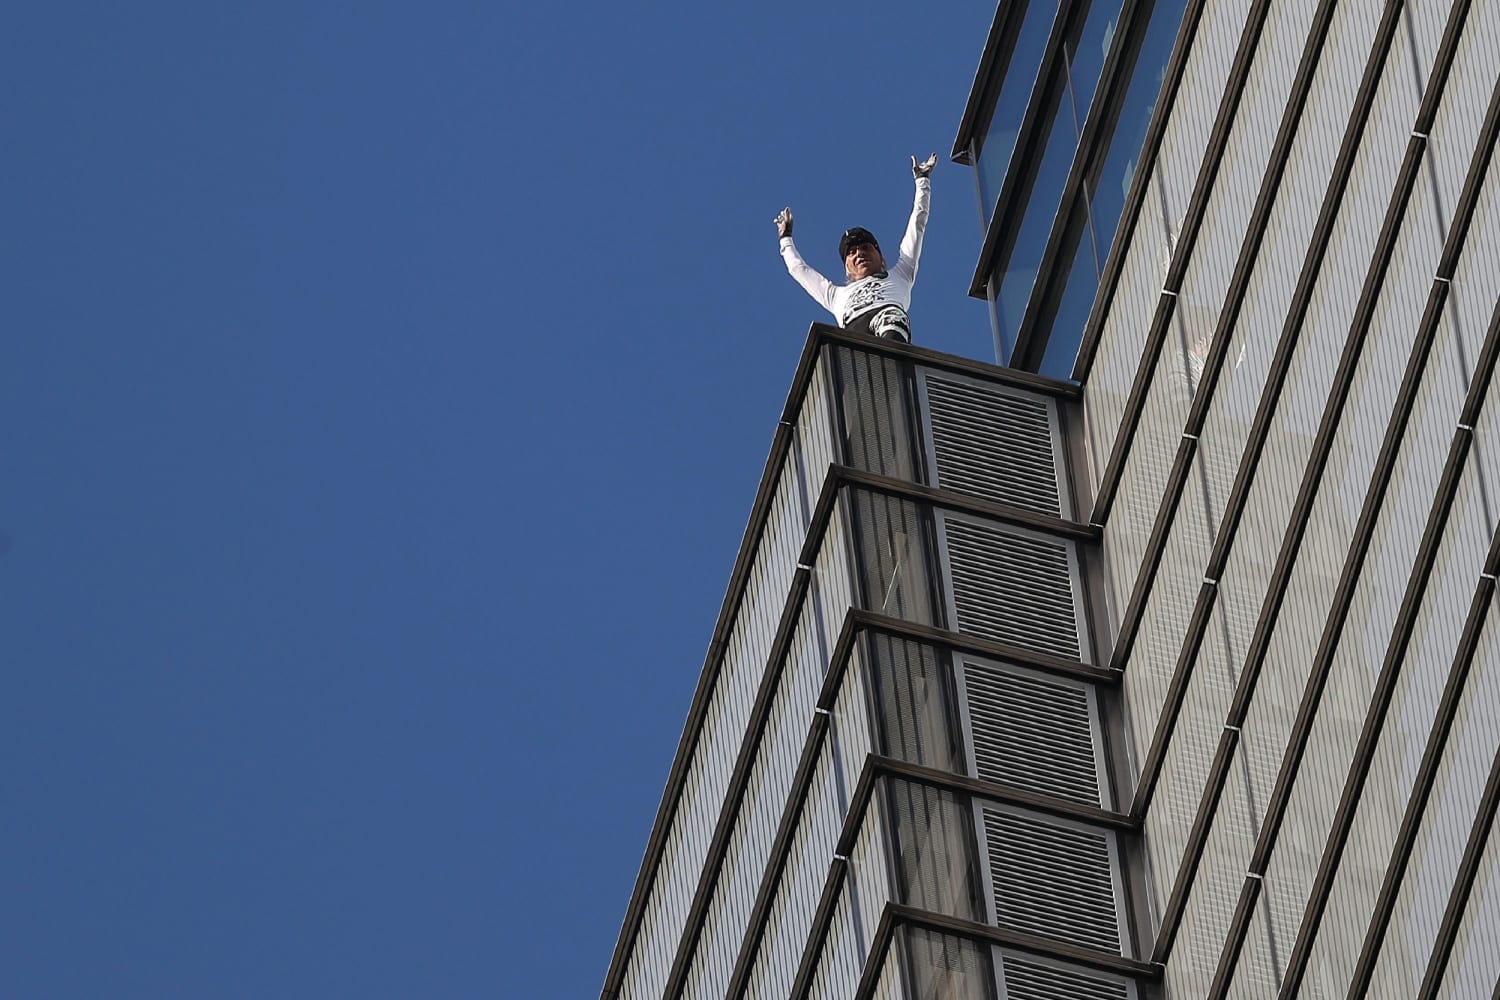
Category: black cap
<point>855,237</point>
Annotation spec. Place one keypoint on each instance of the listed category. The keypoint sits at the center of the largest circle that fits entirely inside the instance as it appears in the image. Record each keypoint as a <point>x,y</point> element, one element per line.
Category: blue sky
<point>384,390</point>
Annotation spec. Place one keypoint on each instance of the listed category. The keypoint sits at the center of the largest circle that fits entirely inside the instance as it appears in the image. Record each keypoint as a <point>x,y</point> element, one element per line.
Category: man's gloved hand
<point>923,169</point>
<point>784,223</point>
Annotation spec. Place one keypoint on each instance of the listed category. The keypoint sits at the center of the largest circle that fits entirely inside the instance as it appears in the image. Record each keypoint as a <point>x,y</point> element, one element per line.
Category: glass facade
<point>1040,212</point>
<point>1064,102</point>
<point>1101,201</point>
<point>1017,83</point>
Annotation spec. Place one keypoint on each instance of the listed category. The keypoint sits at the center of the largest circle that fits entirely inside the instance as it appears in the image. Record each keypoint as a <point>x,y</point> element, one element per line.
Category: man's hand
<point>923,169</point>
<point>784,223</point>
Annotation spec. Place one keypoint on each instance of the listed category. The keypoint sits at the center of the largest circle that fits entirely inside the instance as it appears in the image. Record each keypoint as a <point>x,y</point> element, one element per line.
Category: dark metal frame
<point>1463,885</point>
<point>781,445</point>
<point>1432,756</point>
<point>1131,212</point>
<point>1302,507</point>
<point>1001,218</point>
<point>1244,269</point>
<point>1395,654</point>
<point>856,623</point>
<point>897,915</point>
<point>994,59</point>
<point>1266,411</point>
<point>1187,239</point>
<point>1349,576</point>
<point>877,768</point>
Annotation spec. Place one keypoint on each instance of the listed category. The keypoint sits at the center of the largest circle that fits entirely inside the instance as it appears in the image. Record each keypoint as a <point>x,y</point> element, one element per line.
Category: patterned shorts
<point>886,321</point>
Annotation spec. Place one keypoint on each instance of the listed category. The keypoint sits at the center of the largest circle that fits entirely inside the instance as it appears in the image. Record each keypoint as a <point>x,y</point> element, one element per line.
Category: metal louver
<point>1025,978</point>
<point>1013,586</point>
<point>993,442</point>
<point>1052,878</point>
<point>1032,731</point>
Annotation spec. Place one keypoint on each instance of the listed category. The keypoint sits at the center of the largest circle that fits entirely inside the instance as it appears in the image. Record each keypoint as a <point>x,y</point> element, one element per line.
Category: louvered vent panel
<point>1051,879</point>
<point>1013,587</point>
<point>1032,732</point>
<point>993,444</point>
<point>1026,979</point>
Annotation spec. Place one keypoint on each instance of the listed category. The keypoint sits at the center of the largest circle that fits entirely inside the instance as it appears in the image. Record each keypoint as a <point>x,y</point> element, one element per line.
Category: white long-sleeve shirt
<point>848,301</point>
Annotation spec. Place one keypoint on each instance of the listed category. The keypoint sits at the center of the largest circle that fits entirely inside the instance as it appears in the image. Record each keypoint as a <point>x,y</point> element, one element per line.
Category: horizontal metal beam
<point>877,768</point>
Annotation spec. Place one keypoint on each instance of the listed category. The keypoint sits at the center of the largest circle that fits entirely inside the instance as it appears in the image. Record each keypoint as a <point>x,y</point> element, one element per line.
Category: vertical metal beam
<point>1432,757</point>
<point>1385,688</point>
<point>1385,462</point>
<point>1234,302</point>
<point>1192,223</point>
<point>1463,885</point>
<point>1130,214</point>
<point>1268,407</point>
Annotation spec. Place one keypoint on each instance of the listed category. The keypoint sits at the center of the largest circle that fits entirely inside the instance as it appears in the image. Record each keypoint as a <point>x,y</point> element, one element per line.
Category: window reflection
<point>1067,97</point>
<point>1010,107</point>
<point>1096,215</point>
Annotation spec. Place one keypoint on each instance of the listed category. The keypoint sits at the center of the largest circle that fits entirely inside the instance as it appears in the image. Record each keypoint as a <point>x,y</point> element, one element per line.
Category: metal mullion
<point>1005,214</point>
<point>1004,513</point>
<point>1130,212</point>
<point>1463,885</point>
<point>702,698</point>
<point>1005,794</point>
<point>786,830</point>
<point>1182,252</point>
<point>880,948</point>
<point>1390,446</point>
<point>1111,86</point>
<point>1390,669</point>
<point>1276,380</point>
<point>1239,496</point>
<point>666,813</point>
<point>994,60</point>
<point>838,871</point>
<point>1022,941</point>
<point>739,783</point>
<point>879,768</point>
<point>1375,715</point>
<point>792,813</point>
<point>1234,301</point>
<point>1432,757</point>
<point>1105,91</point>
<point>927,357</point>
<point>978,646</point>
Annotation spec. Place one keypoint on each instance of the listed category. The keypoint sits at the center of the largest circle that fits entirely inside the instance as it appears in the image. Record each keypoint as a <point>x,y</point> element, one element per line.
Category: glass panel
<point>1015,90</point>
<point>893,557</point>
<point>1069,94</point>
<point>1107,185</point>
<point>936,863</point>
<point>872,399</point>
<point>948,967</point>
<point>1069,312</point>
<point>912,682</point>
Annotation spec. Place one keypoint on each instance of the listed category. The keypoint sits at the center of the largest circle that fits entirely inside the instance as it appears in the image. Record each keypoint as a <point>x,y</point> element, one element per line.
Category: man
<point>876,298</point>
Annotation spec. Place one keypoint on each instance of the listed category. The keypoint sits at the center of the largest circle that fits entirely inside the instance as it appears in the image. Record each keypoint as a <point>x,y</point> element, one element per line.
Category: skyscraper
<point>1161,659</point>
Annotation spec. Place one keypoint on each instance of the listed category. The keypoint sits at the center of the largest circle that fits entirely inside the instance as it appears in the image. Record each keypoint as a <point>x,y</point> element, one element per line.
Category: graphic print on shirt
<point>862,296</point>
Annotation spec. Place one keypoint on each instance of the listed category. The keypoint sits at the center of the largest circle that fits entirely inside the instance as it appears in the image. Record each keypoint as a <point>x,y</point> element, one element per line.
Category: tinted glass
<point>1070,93</point>
<point>1015,90</point>
<point>1107,186</point>
<point>1079,273</point>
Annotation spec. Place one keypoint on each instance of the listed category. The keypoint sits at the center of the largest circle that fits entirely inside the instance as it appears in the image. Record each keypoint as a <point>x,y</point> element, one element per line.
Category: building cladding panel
<point>1274,659</point>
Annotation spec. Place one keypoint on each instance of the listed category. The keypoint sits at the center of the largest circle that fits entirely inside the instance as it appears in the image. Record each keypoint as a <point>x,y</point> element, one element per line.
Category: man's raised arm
<point>816,285</point>
<point>911,241</point>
